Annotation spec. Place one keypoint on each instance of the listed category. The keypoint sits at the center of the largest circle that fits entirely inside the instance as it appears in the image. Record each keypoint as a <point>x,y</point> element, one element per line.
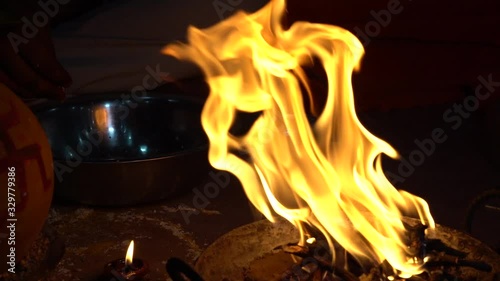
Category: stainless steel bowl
<point>114,150</point>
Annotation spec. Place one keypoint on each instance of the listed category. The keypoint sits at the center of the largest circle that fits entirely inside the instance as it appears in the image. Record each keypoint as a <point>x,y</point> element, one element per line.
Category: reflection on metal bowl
<point>113,150</point>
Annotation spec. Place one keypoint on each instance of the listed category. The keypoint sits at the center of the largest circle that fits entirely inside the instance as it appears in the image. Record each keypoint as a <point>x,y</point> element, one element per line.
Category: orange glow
<point>129,257</point>
<point>327,175</point>
<point>101,117</point>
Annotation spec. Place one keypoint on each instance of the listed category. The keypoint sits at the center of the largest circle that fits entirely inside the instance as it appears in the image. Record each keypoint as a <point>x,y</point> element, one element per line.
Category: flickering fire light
<point>129,257</point>
<point>127,269</point>
<point>327,175</point>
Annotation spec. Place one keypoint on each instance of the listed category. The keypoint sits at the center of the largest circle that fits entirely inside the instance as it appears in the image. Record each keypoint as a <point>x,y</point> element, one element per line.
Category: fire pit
<point>348,222</point>
<point>264,251</point>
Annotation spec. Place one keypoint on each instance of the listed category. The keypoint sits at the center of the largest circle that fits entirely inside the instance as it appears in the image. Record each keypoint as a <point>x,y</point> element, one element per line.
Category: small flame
<point>327,175</point>
<point>129,257</point>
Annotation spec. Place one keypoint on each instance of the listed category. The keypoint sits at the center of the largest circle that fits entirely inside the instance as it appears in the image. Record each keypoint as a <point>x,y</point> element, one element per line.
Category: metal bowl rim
<point>163,157</point>
<point>48,105</point>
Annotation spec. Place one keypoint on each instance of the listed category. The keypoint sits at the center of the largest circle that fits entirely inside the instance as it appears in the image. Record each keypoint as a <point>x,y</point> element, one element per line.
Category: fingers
<point>40,55</point>
<point>28,81</point>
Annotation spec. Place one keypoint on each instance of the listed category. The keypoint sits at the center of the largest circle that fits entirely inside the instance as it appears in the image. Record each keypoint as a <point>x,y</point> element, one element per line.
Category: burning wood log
<point>439,259</point>
<point>313,264</point>
<point>264,251</point>
<point>436,257</point>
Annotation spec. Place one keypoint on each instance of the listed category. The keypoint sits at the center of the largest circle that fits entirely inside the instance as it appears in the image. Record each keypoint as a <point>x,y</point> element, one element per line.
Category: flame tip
<point>129,257</point>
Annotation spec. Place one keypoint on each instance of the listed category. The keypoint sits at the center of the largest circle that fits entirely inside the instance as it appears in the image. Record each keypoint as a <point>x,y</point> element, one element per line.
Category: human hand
<point>30,68</point>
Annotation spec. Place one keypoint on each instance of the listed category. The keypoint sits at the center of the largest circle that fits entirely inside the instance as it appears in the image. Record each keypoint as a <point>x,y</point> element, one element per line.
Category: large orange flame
<point>328,175</point>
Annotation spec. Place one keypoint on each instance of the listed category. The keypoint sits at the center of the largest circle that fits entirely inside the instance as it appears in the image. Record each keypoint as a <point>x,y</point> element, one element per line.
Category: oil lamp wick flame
<point>129,257</point>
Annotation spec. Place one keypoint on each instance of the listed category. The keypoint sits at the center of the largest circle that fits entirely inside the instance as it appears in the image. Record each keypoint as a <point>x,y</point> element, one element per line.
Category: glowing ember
<point>129,257</point>
<point>327,175</point>
<point>311,240</point>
